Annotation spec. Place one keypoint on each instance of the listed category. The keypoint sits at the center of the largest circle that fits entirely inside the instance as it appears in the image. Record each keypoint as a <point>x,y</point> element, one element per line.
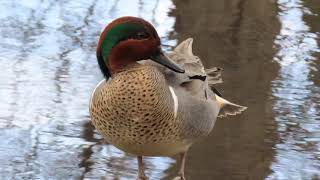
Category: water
<point>271,58</point>
<point>297,96</point>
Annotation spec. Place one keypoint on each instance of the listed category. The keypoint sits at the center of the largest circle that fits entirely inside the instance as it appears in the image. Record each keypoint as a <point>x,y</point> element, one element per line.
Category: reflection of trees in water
<point>47,65</point>
<point>237,36</point>
<point>48,49</point>
<point>54,68</point>
<point>312,22</point>
<point>296,103</point>
<point>113,9</point>
<point>153,19</point>
<point>22,32</point>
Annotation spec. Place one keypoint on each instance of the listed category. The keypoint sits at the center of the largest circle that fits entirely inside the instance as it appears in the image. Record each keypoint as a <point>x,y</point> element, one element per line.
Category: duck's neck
<point>118,61</point>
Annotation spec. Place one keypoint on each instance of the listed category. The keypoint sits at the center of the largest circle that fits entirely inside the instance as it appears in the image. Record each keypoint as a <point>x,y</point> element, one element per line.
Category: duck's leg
<point>142,175</point>
<point>183,157</point>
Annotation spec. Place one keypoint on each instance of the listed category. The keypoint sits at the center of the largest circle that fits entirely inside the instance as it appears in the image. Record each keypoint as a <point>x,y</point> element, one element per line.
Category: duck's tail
<point>228,108</point>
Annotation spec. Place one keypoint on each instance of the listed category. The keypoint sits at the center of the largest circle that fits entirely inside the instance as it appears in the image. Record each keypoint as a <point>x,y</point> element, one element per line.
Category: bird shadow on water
<point>101,160</point>
<point>88,135</point>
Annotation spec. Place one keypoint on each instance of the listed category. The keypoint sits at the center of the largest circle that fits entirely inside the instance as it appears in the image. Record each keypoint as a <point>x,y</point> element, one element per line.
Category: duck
<point>151,103</point>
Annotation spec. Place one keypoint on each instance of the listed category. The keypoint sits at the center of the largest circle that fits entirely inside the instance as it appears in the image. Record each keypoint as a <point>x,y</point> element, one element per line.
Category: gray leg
<point>142,175</point>
<point>182,165</point>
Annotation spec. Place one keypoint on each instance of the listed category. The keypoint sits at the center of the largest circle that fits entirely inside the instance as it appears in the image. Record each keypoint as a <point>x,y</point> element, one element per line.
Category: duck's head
<point>127,40</point>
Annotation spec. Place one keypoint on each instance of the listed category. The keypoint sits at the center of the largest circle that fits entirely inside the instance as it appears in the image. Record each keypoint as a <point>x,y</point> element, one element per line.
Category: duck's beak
<point>164,60</point>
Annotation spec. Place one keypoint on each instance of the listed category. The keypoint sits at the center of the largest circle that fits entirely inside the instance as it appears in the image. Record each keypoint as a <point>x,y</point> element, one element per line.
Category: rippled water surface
<point>271,58</point>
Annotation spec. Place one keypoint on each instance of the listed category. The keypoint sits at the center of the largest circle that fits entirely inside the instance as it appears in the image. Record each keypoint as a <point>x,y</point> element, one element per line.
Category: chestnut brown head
<point>127,40</point>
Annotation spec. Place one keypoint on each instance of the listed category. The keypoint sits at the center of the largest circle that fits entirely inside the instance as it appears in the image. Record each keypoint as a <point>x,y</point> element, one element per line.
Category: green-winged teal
<point>151,104</point>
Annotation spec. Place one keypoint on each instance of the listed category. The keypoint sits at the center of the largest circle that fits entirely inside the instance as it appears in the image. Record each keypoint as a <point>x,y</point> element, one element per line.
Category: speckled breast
<point>135,110</point>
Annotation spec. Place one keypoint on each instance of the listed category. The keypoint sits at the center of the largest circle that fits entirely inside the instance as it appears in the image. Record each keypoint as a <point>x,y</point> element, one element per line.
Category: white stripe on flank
<point>175,100</point>
<point>91,97</point>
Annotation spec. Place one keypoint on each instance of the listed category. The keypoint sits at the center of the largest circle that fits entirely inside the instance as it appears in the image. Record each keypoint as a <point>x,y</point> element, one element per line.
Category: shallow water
<point>271,58</point>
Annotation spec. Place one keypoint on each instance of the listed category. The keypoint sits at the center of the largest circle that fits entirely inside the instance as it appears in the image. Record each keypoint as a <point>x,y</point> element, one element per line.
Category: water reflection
<point>47,57</point>
<point>297,97</point>
<point>238,36</point>
<point>48,70</point>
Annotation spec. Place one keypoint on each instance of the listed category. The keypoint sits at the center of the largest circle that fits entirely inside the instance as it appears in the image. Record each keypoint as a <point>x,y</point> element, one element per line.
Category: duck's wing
<point>193,65</point>
<point>197,81</point>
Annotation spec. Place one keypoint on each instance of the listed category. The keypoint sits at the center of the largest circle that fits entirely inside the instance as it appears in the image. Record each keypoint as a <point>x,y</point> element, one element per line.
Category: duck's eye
<point>141,35</point>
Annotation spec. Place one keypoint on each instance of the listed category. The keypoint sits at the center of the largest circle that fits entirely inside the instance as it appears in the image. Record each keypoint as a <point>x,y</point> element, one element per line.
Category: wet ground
<point>271,58</point>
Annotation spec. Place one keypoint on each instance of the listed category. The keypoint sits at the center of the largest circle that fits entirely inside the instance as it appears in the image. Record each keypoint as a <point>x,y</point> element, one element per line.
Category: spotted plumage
<point>153,106</point>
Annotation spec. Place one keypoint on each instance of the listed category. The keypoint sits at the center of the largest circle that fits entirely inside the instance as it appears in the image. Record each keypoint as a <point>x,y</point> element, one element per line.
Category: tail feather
<point>214,75</point>
<point>229,108</point>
